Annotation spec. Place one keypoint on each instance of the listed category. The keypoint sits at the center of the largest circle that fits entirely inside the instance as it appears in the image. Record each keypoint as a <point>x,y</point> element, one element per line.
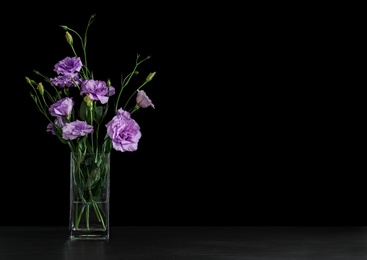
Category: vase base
<point>89,235</point>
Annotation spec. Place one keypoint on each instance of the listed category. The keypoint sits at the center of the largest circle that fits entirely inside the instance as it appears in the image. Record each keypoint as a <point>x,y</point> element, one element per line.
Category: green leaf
<point>107,145</point>
<point>83,111</point>
<point>98,112</point>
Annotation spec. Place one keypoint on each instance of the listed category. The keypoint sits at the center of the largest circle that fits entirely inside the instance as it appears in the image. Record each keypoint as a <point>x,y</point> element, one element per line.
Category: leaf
<point>107,145</point>
<point>83,111</point>
<point>98,112</point>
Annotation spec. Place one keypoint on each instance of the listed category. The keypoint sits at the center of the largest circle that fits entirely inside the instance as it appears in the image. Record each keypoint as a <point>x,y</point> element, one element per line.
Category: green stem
<point>96,210</point>
<point>99,215</point>
<point>87,216</point>
<point>126,81</point>
<point>78,215</point>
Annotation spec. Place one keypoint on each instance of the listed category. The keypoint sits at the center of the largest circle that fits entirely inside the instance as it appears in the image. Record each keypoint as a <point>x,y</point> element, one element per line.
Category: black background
<point>251,123</point>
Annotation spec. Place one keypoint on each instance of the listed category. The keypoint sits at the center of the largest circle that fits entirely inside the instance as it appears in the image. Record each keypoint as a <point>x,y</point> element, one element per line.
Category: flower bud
<point>35,99</point>
<point>88,101</point>
<point>40,88</point>
<point>150,76</point>
<point>142,100</point>
<point>69,38</point>
<point>28,80</point>
<point>108,83</point>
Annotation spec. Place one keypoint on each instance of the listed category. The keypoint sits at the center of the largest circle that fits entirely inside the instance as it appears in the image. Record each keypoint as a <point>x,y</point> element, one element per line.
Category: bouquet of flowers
<point>76,106</point>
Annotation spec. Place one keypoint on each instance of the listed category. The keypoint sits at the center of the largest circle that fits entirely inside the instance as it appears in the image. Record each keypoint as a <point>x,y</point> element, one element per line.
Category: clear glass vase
<point>89,196</point>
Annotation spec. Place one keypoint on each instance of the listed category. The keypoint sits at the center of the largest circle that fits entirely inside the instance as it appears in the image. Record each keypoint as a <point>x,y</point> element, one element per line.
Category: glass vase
<point>89,196</point>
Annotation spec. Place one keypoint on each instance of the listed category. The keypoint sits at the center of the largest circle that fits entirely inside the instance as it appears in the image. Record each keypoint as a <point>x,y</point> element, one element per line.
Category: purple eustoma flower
<point>68,66</point>
<point>124,132</point>
<point>63,107</point>
<point>76,129</point>
<point>59,121</point>
<point>143,100</point>
<point>66,81</point>
<point>67,69</point>
<point>97,90</point>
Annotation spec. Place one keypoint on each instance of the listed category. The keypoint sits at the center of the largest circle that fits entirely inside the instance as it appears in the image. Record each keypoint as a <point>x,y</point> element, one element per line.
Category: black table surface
<point>188,242</point>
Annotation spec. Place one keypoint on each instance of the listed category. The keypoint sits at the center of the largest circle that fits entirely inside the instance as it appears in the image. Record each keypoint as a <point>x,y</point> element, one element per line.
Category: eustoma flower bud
<point>88,101</point>
<point>150,76</point>
<point>142,100</point>
<point>69,38</point>
<point>40,88</point>
<point>28,80</point>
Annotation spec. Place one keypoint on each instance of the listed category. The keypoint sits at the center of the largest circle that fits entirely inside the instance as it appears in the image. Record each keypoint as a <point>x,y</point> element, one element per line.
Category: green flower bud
<point>150,76</point>
<point>88,101</point>
<point>40,88</point>
<point>108,83</point>
<point>28,80</point>
<point>35,99</point>
<point>69,38</point>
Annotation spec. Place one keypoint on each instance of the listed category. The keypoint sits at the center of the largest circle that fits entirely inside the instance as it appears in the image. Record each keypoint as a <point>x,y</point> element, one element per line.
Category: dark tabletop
<point>188,242</point>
